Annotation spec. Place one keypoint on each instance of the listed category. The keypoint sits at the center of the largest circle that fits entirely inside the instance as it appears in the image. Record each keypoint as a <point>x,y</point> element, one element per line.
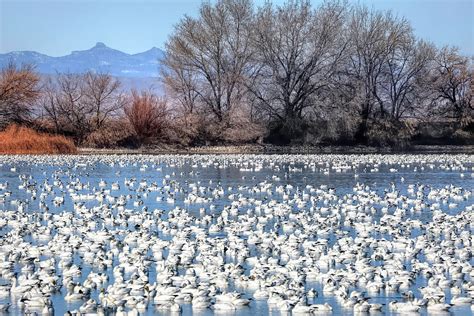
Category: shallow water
<point>236,175</point>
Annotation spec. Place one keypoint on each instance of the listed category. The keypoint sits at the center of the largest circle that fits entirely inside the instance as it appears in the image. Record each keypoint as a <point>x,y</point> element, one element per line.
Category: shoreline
<point>270,149</point>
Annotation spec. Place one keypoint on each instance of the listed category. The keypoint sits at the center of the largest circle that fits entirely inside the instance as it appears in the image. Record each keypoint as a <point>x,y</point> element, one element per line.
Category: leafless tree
<point>298,50</point>
<point>102,97</point>
<point>50,104</point>
<point>19,90</point>
<point>404,86</point>
<point>79,104</point>
<point>375,37</point>
<point>452,81</point>
<point>181,85</point>
<point>208,57</point>
<point>63,104</point>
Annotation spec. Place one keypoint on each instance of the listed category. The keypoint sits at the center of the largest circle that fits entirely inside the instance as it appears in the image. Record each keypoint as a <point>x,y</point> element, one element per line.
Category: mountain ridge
<point>99,58</point>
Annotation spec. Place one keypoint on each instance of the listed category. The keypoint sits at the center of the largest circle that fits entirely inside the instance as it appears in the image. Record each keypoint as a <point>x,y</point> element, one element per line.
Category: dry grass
<point>21,140</point>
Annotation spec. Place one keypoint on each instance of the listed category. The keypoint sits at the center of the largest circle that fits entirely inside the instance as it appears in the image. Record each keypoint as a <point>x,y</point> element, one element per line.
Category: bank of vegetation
<point>22,140</point>
<point>288,75</point>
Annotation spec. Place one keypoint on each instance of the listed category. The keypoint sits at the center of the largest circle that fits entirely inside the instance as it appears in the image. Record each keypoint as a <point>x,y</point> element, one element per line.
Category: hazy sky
<point>56,27</point>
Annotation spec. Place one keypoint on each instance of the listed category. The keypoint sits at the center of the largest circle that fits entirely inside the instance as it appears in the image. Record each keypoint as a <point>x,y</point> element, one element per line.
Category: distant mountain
<point>99,58</point>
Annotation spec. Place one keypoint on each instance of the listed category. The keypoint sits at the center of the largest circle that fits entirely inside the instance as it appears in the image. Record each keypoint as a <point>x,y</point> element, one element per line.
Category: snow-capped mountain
<point>99,58</point>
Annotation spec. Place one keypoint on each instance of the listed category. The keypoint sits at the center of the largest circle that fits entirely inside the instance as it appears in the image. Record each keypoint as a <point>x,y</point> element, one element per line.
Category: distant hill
<point>99,58</point>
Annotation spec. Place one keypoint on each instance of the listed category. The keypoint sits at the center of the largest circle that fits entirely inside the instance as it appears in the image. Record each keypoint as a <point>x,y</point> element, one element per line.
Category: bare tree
<point>298,50</point>
<point>404,86</point>
<point>375,37</point>
<point>452,81</point>
<point>102,97</point>
<point>79,104</point>
<point>51,105</point>
<point>19,90</point>
<point>181,85</point>
<point>208,57</point>
<point>146,113</point>
<point>72,110</point>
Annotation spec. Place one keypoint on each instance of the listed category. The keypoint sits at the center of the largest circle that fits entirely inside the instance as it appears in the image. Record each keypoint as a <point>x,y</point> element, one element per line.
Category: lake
<point>165,234</point>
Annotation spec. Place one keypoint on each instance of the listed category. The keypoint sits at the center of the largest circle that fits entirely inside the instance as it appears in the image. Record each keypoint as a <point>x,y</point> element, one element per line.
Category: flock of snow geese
<point>236,234</point>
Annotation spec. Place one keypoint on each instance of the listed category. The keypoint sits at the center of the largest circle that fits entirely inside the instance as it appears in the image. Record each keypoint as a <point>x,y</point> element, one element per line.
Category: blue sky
<point>57,27</point>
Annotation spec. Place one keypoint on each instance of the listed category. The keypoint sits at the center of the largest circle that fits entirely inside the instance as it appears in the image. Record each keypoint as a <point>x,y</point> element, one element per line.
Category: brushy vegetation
<point>289,74</point>
<point>22,140</point>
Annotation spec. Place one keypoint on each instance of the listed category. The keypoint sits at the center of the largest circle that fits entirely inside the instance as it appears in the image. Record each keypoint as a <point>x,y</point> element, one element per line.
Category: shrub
<point>116,132</point>
<point>390,133</point>
<point>185,130</point>
<point>462,137</point>
<point>22,140</point>
<point>147,114</point>
<point>287,132</point>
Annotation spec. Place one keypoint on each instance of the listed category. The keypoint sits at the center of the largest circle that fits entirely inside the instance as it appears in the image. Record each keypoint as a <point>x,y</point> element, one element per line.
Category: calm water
<point>235,175</point>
